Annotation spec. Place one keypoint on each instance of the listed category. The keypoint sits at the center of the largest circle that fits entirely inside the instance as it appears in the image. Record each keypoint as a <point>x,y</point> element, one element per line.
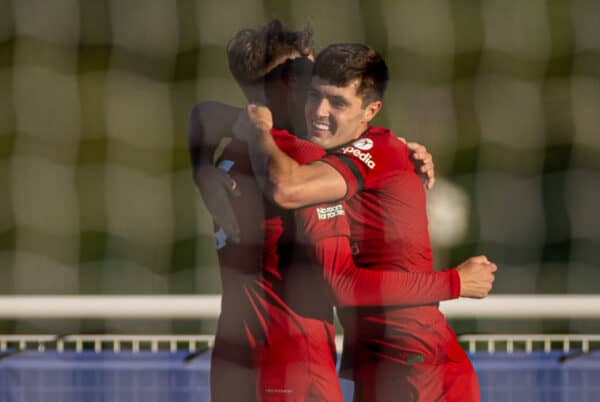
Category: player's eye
<point>313,95</point>
<point>338,103</point>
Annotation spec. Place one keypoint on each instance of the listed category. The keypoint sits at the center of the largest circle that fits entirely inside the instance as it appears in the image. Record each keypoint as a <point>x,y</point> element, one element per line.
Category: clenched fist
<point>256,119</point>
<point>476,277</point>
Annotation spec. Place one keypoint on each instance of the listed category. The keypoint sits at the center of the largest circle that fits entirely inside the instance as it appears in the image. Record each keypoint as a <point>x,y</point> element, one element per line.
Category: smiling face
<point>336,115</point>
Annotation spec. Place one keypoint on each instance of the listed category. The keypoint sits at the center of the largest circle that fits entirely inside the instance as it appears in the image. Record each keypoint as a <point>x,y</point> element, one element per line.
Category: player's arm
<point>326,228</point>
<point>288,183</point>
<point>291,185</point>
<point>354,286</point>
<point>209,123</point>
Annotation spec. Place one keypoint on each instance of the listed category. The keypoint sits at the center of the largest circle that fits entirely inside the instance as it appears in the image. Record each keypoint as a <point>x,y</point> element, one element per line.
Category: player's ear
<point>371,110</point>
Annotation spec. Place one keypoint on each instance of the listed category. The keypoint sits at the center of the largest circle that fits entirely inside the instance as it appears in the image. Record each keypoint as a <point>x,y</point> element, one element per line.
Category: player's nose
<point>321,108</point>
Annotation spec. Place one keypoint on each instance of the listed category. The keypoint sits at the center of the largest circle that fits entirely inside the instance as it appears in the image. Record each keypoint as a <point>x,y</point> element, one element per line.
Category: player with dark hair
<point>267,314</point>
<point>254,53</point>
<point>341,64</point>
<point>403,352</point>
<point>259,59</point>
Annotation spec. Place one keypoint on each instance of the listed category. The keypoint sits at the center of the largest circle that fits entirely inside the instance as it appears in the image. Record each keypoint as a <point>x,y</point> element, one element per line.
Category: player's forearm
<point>354,286</point>
<point>289,184</point>
<point>366,287</point>
<point>311,184</point>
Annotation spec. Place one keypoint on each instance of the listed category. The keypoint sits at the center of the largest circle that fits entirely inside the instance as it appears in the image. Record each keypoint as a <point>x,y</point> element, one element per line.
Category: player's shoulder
<point>382,137</point>
<point>381,142</point>
<point>385,148</point>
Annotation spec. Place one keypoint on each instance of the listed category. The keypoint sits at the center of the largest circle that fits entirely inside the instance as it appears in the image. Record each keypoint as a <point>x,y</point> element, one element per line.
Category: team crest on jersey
<point>330,212</point>
<point>363,144</point>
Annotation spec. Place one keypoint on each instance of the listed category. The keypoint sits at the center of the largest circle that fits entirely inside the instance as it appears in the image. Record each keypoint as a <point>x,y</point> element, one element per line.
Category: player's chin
<point>319,136</point>
<point>317,140</point>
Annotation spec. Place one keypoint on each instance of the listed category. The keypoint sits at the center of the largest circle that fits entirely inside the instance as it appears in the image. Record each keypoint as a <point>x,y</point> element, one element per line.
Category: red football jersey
<point>284,332</point>
<point>398,350</point>
<point>386,202</point>
<point>274,295</point>
<point>386,207</point>
<point>326,236</point>
<point>262,260</point>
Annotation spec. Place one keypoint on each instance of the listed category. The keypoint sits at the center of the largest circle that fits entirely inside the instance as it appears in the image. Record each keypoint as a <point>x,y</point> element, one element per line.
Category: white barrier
<point>525,307</point>
<point>111,306</point>
<point>492,343</point>
<point>208,307</point>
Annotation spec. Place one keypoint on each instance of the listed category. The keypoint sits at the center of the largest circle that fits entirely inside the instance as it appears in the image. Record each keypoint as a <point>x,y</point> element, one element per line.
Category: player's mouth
<point>319,128</point>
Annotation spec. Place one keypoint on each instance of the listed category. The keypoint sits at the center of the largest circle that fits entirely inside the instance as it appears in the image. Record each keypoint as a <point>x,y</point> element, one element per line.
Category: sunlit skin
<point>335,115</point>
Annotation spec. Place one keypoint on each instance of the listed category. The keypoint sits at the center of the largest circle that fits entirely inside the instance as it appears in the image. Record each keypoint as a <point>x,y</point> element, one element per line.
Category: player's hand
<point>476,277</point>
<point>423,162</point>
<point>254,120</point>
<point>261,117</point>
<point>217,188</point>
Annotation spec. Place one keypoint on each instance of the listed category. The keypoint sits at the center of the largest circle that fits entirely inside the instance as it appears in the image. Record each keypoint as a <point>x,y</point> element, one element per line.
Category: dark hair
<point>253,52</point>
<point>342,63</point>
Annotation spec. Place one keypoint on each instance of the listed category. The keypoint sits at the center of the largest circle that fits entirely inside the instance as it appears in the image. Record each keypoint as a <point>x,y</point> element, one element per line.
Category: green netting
<point>96,191</point>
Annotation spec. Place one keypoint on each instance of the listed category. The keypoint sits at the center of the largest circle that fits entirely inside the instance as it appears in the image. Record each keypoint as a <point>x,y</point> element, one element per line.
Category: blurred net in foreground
<point>98,196</point>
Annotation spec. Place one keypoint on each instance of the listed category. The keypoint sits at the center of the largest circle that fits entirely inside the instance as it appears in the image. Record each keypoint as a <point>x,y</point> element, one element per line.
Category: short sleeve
<point>374,156</point>
<point>300,150</point>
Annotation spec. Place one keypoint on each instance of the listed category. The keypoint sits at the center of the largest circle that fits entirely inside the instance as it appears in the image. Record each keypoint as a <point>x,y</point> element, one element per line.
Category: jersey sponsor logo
<point>363,144</point>
<point>364,157</point>
<point>330,212</point>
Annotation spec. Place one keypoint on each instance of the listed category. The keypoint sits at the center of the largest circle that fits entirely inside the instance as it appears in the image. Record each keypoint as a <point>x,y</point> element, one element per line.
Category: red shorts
<point>297,361</point>
<point>447,376</point>
<point>287,369</point>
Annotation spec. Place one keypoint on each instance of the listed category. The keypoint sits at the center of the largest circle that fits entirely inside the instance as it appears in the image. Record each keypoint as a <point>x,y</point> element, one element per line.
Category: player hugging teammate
<point>344,223</point>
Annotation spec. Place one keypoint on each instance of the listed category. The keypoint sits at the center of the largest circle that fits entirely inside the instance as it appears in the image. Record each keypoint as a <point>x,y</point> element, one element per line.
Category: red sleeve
<point>300,150</point>
<point>376,154</point>
<point>327,232</point>
<point>352,175</point>
<point>321,221</point>
<point>353,286</point>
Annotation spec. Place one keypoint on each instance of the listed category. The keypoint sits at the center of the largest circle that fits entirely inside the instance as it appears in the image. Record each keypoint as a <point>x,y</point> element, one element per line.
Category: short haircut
<point>253,52</point>
<point>343,63</point>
